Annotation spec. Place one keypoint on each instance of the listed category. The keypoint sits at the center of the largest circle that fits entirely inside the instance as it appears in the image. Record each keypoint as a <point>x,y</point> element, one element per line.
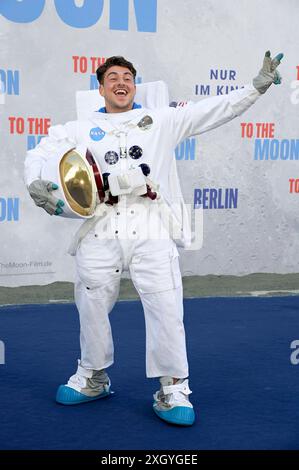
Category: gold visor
<point>77,183</point>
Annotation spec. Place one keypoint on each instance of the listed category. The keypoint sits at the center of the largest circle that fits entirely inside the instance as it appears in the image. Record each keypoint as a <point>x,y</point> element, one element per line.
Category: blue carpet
<point>245,390</point>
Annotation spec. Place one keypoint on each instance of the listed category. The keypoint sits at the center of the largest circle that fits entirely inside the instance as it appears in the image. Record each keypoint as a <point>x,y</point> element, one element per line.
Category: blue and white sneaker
<point>171,402</point>
<point>85,385</point>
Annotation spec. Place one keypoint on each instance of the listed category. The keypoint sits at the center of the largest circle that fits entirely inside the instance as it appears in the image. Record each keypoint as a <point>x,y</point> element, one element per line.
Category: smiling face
<point>118,89</point>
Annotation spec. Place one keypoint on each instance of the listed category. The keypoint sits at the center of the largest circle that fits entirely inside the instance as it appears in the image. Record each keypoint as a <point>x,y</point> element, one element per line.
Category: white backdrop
<point>46,56</point>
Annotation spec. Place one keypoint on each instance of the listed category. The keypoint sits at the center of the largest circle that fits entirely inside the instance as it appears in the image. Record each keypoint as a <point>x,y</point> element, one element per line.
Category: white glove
<point>268,73</point>
<point>41,193</point>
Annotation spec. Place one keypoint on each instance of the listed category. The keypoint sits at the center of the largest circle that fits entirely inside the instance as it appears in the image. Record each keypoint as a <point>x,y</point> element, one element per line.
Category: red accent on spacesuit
<point>111,199</point>
<point>97,175</point>
<point>149,193</point>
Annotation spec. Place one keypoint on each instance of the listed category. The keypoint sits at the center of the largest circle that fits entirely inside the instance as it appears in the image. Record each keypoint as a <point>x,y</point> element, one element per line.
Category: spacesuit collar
<point>107,119</point>
<point>135,106</point>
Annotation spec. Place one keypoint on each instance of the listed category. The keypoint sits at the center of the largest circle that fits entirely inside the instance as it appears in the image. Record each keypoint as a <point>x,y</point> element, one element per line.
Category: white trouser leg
<point>165,334</point>
<point>94,306</point>
<point>156,275</point>
<point>99,267</point>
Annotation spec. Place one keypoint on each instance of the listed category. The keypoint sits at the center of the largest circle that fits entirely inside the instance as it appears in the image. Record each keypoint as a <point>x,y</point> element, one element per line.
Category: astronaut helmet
<point>79,181</point>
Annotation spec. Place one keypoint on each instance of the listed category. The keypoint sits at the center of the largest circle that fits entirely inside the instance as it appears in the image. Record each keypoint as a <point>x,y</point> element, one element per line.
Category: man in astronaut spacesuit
<point>130,144</point>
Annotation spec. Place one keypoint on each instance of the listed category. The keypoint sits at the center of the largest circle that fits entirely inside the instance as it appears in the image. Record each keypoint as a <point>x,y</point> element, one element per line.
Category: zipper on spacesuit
<point>122,145</point>
<point>122,141</point>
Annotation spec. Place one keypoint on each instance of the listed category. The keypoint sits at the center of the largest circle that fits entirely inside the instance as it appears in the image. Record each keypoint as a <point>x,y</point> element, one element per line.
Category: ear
<point>101,90</point>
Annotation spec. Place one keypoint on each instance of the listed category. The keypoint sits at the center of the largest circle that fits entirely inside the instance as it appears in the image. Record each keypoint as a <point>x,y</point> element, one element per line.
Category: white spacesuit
<point>133,240</point>
<point>129,234</point>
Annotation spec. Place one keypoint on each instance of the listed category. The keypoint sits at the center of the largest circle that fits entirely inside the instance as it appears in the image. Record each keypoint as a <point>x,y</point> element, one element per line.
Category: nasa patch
<point>97,134</point>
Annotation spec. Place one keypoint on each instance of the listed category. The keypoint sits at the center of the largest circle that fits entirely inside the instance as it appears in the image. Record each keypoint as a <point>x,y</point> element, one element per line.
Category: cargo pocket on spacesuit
<point>97,269</point>
<point>94,292</point>
<point>100,292</point>
<point>100,289</point>
<point>156,272</point>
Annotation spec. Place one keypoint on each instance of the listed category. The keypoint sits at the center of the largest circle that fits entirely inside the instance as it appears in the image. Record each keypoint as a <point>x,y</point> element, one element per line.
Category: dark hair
<point>110,62</point>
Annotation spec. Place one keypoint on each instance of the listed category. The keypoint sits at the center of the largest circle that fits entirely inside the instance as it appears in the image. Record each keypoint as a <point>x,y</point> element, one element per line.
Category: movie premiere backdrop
<point>243,176</point>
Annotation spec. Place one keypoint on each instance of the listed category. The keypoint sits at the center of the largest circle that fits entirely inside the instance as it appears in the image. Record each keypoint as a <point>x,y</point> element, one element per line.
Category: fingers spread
<point>276,61</point>
<point>267,62</point>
